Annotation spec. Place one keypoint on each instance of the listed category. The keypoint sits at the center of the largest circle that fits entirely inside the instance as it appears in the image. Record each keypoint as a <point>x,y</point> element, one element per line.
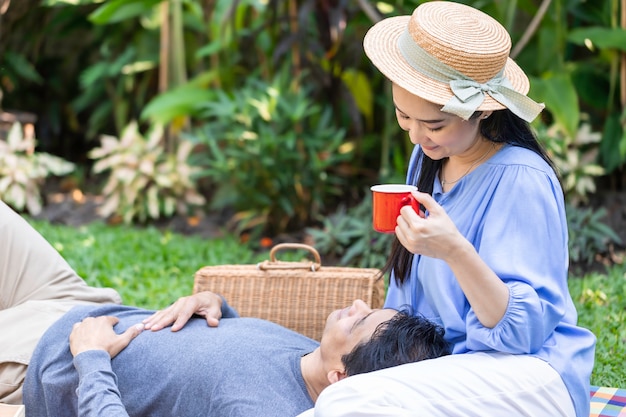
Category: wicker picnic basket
<point>297,295</point>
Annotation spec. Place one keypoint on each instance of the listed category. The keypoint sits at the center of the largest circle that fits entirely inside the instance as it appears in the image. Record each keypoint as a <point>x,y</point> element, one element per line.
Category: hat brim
<point>381,46</point>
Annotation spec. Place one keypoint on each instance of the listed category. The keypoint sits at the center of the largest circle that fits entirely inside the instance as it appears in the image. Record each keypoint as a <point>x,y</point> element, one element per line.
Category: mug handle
<point>417,207</point>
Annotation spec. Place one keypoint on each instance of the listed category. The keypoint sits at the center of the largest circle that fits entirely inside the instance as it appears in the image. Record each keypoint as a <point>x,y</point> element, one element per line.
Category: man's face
<point>348,327</point>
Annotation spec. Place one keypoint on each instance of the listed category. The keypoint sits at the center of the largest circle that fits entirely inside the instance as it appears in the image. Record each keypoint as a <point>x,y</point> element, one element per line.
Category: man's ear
<point>335,375</point>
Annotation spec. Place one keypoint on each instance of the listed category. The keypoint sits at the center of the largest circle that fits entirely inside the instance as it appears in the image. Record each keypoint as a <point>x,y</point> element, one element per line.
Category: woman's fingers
<point>431,236</point>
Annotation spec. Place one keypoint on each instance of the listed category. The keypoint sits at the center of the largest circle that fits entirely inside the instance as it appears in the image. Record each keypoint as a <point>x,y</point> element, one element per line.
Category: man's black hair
<point>402,339</point>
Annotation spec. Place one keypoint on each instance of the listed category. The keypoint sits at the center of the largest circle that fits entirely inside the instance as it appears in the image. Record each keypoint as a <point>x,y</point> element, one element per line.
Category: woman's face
<point>439,134</point>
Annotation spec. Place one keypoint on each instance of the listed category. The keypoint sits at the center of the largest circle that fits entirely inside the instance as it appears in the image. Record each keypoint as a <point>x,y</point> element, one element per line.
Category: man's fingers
<point>212,321</point>
<point>182,319</point>
<point>165,317</point>
<point>131,333</point>
<point>160,320</point>
<point>122,340</point>
<point>112,320</point>
<point>96,333</point>
<point>206,304</point>
<point>213,316</point>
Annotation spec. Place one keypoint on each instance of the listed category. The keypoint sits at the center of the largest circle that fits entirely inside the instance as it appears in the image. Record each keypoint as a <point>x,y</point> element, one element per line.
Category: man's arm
<point>98,394</point>
<point>93,343</point>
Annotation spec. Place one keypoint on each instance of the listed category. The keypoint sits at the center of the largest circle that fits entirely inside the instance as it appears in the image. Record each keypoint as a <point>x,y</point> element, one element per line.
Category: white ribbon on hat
<point>468,93</point>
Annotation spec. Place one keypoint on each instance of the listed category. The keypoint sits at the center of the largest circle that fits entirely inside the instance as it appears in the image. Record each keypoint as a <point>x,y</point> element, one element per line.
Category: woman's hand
<point>96,333</point>
<point>435,236</point>
<point>205,303</point>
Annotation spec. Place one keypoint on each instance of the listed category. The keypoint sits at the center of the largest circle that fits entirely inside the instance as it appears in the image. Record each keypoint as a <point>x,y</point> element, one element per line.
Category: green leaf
<point>360,87</point>
<point>99,116</point>
<point>210,48</point>
<point>115,11</point>
<point>181,101</point>
<point>613,141</point>
<point>600,37</point>
<point>21,66</point>
<point>590,79</point>
<point>557,91</point>
<point>94,74</point>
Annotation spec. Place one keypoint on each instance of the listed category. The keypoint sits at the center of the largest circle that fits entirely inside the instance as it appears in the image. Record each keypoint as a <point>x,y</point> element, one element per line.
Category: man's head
<point>345,329</point>
<point>358,339</point>
<point>399,340</point>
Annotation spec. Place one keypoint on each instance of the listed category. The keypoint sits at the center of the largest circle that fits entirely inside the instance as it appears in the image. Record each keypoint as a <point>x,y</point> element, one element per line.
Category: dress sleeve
<point>98,394</point>
<point>524,241</point>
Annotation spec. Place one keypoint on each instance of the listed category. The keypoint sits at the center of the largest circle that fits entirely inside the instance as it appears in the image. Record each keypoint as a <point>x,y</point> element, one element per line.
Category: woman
<point>488,260</point>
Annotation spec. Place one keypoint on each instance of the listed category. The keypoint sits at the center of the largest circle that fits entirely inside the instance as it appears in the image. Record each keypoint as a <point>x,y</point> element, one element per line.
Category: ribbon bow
<point>468,93</point>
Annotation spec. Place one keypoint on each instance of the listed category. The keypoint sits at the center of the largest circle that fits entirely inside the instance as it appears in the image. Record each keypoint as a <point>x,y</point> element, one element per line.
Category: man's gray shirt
<point>243,367</point>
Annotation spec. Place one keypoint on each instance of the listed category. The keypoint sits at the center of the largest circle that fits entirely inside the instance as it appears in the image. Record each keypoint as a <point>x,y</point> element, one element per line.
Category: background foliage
<point>258,85</point>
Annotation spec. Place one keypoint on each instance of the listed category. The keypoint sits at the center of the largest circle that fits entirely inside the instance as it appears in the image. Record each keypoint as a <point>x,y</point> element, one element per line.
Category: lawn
<point>151,269</point>
<point>601,303</point>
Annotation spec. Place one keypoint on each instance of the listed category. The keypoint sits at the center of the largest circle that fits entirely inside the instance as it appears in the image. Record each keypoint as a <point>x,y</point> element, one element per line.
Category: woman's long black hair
<point>502,126</point>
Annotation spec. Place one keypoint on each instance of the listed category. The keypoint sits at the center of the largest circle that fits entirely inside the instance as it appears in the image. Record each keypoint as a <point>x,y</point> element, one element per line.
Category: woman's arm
<point>436,236</point>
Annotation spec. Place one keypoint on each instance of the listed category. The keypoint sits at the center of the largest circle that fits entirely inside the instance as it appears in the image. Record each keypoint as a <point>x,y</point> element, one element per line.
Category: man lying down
<point>198,358</point>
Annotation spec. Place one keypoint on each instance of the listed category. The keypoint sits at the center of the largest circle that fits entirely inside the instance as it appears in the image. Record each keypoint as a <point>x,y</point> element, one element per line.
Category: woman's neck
<point>454,169</point>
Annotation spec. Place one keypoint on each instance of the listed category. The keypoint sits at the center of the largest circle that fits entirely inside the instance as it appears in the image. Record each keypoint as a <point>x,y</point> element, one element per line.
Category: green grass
<point>151,269</point>
<point>601,303</point>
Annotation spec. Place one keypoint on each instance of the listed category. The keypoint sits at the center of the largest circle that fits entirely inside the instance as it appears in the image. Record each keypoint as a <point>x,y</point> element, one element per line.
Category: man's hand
<point>96,333</point>
<point>205,303</point>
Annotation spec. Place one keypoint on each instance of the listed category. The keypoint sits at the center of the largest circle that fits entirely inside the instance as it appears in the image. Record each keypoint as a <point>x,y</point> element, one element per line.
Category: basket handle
<point>273,263</point>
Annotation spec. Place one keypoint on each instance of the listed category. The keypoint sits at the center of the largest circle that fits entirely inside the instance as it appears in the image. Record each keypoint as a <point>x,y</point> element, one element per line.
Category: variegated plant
<point>575,158</point>
<point>23,171</point>
<point>145,181</point>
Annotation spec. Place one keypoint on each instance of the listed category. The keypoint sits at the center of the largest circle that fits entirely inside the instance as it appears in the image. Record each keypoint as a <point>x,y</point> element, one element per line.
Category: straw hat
<point>404,49</point>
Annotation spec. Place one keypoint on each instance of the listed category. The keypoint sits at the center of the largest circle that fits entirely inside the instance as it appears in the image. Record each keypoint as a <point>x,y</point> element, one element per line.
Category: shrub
<point>271,153</point>
<point>588,234</point>
<point>144,180</point>
<point>23,171</point>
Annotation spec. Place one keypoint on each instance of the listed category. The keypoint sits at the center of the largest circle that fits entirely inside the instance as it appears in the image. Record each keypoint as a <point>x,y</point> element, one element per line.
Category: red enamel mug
<point>387,200</point>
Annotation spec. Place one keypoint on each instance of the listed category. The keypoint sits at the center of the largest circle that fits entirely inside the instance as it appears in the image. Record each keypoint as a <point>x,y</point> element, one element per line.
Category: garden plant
<point>268,111</point>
